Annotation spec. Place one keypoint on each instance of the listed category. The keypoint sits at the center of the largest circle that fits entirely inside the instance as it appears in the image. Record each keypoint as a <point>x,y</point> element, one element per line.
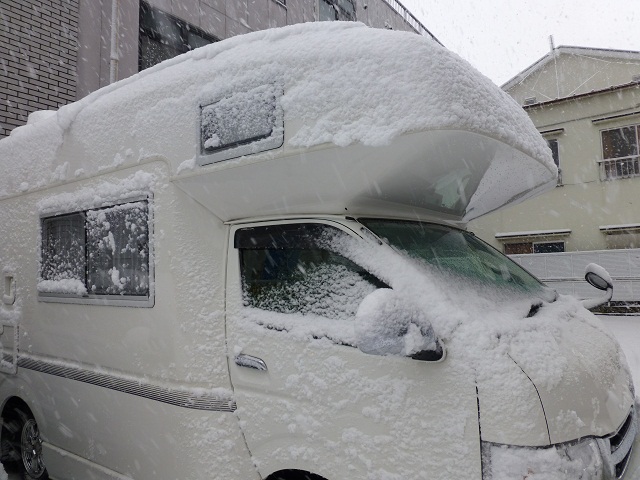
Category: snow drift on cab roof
<point>347,84</point>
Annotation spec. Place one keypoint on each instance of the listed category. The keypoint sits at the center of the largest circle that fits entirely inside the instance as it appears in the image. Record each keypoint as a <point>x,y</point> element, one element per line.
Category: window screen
<point>97,252</point>
<point>118,250</point>
<point>63,248</point>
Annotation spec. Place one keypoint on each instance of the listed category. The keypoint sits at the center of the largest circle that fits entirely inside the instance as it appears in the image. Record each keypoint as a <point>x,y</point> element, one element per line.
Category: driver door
<point>307,398</point>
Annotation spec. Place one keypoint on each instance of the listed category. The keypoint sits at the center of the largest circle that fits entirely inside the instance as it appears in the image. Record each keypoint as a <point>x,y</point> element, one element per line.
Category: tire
<point>22,445</point>
<point>31,451</point>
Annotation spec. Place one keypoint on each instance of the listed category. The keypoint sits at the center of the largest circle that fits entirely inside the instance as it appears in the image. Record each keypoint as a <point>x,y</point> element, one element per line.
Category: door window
<point>294,269</point>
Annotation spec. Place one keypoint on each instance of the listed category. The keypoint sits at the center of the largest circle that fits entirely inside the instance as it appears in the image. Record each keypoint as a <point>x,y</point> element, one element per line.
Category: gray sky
<point>503,37</point>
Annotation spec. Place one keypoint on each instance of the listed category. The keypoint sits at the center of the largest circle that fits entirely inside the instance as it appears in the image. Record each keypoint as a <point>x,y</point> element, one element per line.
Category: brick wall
<point>38,57</point>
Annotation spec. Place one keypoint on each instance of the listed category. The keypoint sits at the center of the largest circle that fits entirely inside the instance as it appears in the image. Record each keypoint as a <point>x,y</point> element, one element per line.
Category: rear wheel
<point>22,445</point>
<point>31,451</point>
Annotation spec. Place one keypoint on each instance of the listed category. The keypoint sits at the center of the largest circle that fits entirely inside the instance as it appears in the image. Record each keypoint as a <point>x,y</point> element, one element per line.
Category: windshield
<point>459,253</point>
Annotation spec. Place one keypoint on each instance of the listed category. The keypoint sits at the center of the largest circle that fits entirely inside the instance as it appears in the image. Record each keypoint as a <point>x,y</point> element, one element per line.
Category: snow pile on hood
<point>343,82</point>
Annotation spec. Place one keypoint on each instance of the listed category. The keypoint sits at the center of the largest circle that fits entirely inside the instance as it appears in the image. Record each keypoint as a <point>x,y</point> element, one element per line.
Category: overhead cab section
<point>327,118</point>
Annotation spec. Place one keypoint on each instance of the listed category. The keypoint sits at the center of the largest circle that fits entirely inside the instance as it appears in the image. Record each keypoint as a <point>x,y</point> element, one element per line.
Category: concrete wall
<point>38,56</point>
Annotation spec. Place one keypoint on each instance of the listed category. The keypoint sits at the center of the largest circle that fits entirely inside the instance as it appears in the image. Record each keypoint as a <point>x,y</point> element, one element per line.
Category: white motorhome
<point>250,262</point>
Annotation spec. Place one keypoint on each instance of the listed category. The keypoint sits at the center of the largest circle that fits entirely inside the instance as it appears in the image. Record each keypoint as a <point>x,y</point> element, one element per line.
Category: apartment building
<point>53,52</point>
<point>586,103</point>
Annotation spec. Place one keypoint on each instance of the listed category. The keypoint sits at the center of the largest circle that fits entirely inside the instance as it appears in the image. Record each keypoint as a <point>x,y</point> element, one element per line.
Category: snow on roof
<point>344,83</point>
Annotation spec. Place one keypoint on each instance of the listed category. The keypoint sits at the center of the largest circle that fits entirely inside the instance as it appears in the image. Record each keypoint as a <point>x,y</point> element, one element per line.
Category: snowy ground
<point>627,330</point>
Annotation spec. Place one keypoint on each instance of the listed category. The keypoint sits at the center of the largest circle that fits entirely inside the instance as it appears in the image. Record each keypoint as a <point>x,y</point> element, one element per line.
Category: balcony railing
<point>410,18</point>
<point>625,167</point>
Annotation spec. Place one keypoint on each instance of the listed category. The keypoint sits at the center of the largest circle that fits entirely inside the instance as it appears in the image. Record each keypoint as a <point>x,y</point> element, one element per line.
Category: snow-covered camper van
<point>250,262</point>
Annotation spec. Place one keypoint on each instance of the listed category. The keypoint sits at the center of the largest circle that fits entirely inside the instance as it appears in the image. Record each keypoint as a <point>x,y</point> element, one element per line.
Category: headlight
<point>571,461</point>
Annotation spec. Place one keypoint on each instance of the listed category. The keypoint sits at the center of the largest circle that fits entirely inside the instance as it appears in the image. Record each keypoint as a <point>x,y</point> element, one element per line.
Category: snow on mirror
<point>599,278</point>
<point>388,324</point>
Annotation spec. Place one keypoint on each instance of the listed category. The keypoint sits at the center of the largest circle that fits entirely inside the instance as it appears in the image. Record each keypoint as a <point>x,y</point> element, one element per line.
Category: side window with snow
<point>97,254</point>
<point>63,252</point>
<point>291,269</point>
<point>242,123</point>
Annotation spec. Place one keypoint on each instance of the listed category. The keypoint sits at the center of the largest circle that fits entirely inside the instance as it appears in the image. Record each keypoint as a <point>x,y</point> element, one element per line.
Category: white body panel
<point>318,400</point>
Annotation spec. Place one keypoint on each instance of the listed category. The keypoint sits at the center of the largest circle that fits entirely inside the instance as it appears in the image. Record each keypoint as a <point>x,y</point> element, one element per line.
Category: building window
<point>555,152</point>
<point>518,248</point>
<point>620,153</point>
<point>533,247</point>
<point>548,247</point>
<point>337,10</point>
<point>97,252</point>
<point>163,36</point>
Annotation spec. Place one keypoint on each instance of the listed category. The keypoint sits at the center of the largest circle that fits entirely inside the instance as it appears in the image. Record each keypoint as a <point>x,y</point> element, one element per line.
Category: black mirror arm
<point>429,355</point>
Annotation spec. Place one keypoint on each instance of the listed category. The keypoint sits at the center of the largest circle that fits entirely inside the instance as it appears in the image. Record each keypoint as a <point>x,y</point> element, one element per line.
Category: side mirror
<point>599,278</point>
<point>388,324</point>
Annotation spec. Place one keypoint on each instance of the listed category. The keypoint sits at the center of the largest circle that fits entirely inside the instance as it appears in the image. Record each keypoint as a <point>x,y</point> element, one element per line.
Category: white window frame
<point>145,301</point>
<point>259,145</point>
<point>633,161</point>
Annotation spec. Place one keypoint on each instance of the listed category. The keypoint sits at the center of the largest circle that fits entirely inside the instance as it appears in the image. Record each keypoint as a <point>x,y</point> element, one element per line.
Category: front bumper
<point>605,458</point>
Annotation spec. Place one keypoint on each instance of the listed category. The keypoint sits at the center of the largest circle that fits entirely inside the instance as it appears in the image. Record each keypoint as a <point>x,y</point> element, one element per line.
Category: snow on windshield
<point>481,317</point>
<point>346,83</point>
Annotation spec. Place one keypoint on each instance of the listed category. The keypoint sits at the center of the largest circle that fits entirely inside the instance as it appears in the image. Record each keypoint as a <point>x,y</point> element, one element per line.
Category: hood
<point>551,378</point>
<point>581,377</point>
<point>509,408</point>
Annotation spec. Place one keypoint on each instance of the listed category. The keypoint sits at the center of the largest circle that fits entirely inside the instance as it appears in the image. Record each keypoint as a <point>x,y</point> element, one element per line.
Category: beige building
<point>586,103</point>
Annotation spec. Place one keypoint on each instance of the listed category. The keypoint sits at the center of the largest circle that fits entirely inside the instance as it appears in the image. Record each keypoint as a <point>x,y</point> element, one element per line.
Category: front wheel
<point>31,451</point>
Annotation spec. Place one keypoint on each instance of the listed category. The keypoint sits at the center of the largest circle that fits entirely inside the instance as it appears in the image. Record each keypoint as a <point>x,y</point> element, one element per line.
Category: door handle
<point>9,296</point>
<point>250,361</point>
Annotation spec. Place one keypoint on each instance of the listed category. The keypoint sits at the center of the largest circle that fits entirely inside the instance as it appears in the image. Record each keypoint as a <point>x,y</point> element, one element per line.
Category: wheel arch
<point>17,403</point>
<point>293,474</point>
